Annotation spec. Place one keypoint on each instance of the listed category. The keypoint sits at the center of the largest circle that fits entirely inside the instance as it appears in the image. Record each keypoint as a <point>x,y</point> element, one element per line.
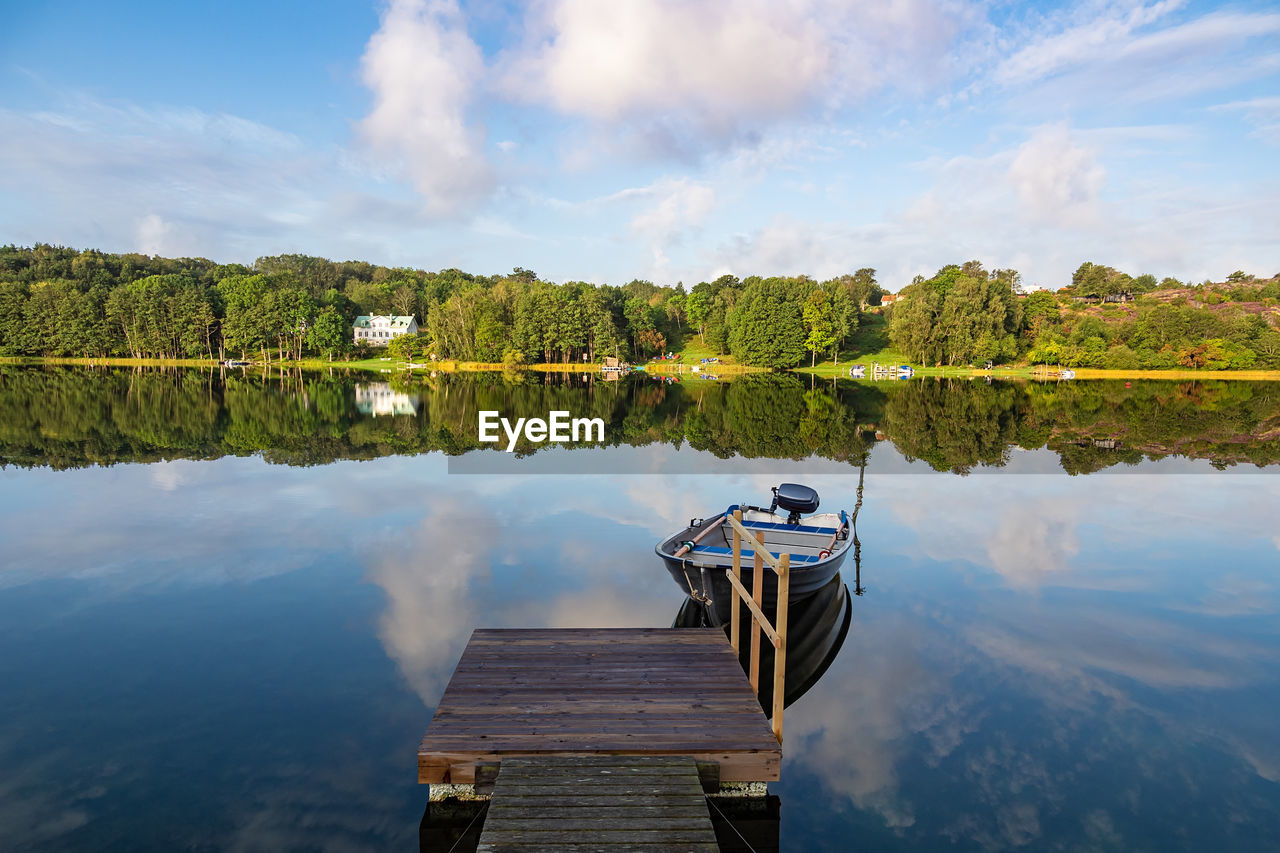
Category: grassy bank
<point>870,345</point>
<point>725,367</point>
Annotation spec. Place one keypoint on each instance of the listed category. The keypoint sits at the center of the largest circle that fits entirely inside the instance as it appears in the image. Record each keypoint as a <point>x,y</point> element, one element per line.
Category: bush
<point>513,358</point>
<point>1120,357</point>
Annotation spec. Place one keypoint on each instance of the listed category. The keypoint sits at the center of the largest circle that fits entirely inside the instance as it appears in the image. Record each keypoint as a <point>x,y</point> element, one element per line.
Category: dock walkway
<point>640,803</point>
<point>589,692</point>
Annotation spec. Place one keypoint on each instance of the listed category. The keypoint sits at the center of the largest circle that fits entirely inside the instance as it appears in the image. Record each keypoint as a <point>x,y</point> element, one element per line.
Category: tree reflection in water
<point>73,417</point>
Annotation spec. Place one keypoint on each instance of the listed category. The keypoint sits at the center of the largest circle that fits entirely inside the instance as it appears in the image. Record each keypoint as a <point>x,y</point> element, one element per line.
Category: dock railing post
<point>777,632</point>
<point>757,595</point>
<point>734,627</point>
<point>780,650</point>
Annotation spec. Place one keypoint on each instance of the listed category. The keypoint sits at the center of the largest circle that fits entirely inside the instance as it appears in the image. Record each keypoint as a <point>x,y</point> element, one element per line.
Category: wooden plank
<point>780,647</point>
<point>674,809</point>
<point>530,838</point>
<point>734,767</point>
<point>649,692</point>
<point>597,802</point>
<point>486,774</point>
<point>596,847</point>
<point>738,528</point>
<point>735,584</point>
<point>761,619</point>
<point>757,596</point>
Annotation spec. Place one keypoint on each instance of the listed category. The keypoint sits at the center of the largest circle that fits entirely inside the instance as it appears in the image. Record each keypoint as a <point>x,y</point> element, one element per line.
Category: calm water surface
<point>204,649</point>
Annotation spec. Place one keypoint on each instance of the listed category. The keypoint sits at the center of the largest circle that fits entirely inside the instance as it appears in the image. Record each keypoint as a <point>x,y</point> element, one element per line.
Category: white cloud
<point>684,73</point>
<point>681,204</point>
<point>1119,52</point>
<point>616,60</point>
<point>1092,41</point>
<point>153,234</point>
<point>423,70</point>
<point>181,182</point>
<point>1263,113</point>
<point>1055,179</point>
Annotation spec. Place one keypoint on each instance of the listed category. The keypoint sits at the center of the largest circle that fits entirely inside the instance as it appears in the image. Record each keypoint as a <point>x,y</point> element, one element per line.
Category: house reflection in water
<point>378,398</point>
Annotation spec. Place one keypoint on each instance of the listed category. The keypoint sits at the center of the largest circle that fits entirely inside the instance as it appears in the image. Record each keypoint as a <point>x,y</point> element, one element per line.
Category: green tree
<point>960,315</point>
<point>404,348</point>
<point>329,333</point>
<point>245,325</point>
<point>767,327</point>
<point>819,324</point>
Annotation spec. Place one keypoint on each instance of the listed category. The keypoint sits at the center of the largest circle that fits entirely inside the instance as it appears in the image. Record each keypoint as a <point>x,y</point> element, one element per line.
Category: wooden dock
<point>640,803</point>
<point>593,692</point>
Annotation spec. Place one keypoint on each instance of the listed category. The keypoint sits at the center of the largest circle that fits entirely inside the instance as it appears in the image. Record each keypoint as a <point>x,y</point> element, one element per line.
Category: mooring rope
<point>711,803</point>
<point>474,818</point>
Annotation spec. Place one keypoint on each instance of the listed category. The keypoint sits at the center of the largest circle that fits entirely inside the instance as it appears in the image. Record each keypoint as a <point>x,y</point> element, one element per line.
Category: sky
<point>669,141</point>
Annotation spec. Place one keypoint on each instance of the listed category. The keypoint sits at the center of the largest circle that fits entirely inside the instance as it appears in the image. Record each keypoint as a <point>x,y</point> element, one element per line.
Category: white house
<point>377,398</point>
<point>378,330</point>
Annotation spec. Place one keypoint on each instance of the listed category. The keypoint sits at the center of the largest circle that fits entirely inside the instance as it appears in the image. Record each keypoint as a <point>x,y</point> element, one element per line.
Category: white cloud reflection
<point>428,575</point>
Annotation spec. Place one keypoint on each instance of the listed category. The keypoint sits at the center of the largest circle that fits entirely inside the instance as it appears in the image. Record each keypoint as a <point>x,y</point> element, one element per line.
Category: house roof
<point>395,321</point>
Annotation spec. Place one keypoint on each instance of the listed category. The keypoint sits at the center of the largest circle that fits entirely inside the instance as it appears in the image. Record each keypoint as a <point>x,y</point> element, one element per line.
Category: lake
<point>230,602</point>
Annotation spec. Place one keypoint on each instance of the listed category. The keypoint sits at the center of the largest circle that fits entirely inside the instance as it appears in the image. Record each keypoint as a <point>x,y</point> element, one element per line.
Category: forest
<point>63,302</point>
<point>1105,318</point>
<point>56,301</point>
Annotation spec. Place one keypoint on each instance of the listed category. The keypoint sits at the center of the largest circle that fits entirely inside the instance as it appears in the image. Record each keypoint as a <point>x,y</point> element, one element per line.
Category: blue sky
<point>673,141</point>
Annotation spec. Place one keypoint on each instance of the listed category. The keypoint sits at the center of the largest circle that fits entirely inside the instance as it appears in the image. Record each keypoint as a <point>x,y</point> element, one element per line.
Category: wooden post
<point>777,633</point>
<point>757,595</point>
<point>734,627</point>
<point>780,647</point>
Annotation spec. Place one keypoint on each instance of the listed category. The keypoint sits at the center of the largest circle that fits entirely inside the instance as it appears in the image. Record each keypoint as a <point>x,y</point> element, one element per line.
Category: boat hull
<point>708,563</point>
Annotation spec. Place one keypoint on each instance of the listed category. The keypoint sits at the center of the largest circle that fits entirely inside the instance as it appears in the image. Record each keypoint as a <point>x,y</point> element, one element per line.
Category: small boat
<point>235,362</point>
<point>858,371</point>
<point>1067,374</point>
<point>905,370</point>
<point>818,543</point>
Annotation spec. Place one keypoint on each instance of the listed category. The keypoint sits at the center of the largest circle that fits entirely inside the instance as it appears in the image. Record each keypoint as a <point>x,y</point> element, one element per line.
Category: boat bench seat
<point>721,551</point>
<point>789,528</point>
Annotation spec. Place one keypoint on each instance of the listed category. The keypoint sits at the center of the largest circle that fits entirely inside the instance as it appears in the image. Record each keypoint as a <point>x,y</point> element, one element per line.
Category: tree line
<point>965,315</point>
<point>57,301</point>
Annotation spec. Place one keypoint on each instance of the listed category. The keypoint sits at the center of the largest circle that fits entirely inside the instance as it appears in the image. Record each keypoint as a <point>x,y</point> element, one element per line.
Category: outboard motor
<point>795,499</point>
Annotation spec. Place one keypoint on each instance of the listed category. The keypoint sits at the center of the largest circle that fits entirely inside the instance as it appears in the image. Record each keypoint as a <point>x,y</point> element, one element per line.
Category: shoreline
<point>822,370</point>
<point>1038,372</point>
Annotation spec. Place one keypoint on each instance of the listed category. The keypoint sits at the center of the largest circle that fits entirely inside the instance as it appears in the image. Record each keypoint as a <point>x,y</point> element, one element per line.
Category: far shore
<point>378,365</point>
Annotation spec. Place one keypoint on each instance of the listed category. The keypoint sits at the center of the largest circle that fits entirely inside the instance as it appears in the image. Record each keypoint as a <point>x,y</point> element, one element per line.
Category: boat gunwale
<point>666,548</point>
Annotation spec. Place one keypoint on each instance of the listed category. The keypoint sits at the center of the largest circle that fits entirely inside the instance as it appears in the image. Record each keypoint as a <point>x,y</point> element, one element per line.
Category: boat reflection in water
<point>817,625</point>
<point>817,620</point>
